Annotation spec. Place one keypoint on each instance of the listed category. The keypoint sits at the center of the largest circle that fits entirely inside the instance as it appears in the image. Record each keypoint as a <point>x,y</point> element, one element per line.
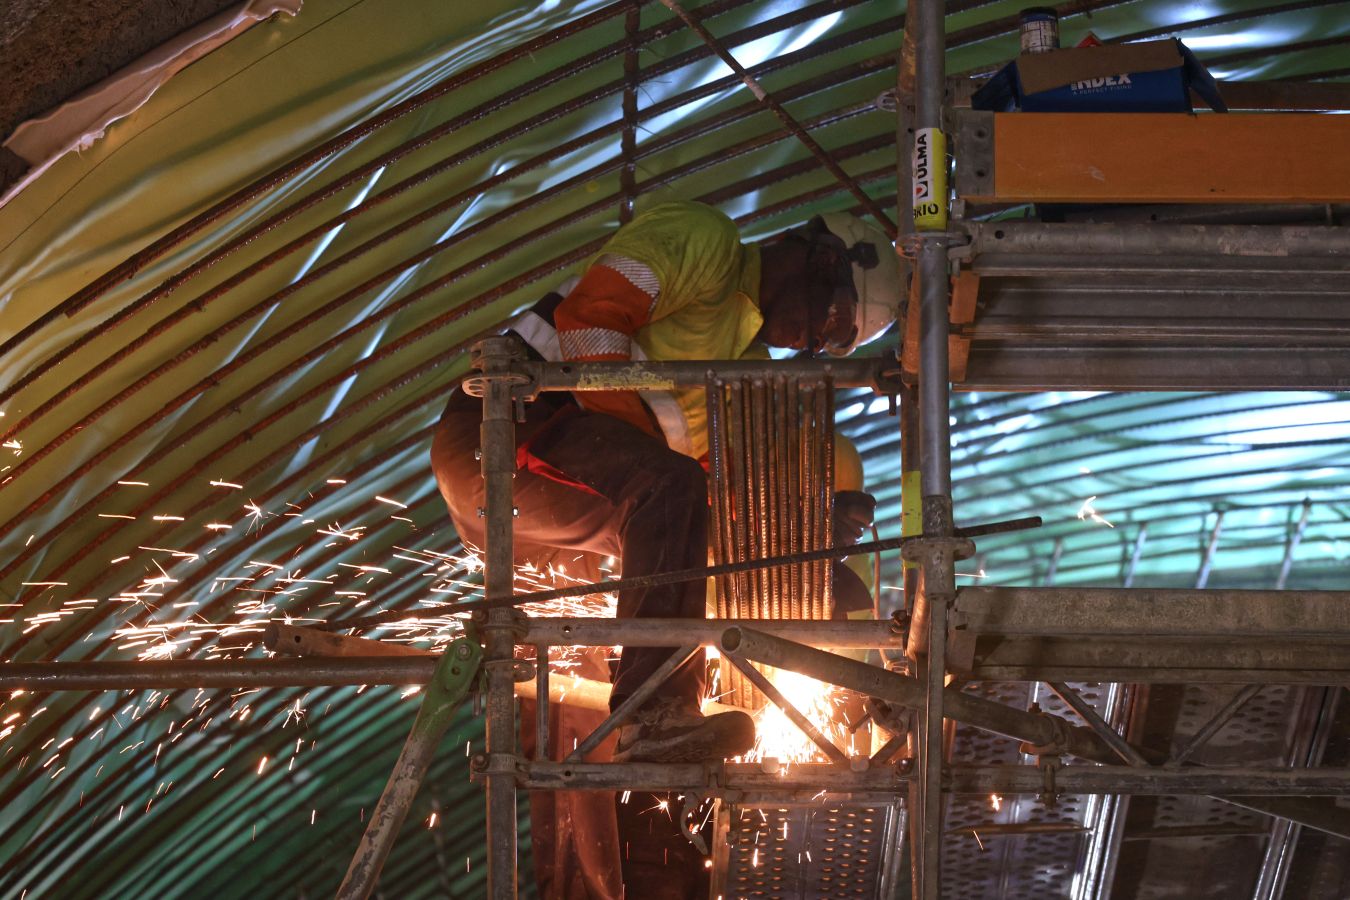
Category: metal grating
<point>978,860</point>
<point>802,852</point>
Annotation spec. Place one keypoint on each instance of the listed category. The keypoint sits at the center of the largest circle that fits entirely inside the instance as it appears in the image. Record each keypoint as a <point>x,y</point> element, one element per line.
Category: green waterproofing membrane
<point>181,467</point>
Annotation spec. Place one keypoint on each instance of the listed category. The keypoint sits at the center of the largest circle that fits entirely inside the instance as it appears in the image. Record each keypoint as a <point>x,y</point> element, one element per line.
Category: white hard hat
<point>876,277</point>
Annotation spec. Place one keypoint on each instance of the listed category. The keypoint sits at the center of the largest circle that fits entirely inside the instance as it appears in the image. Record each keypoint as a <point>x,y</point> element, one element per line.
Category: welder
<point>618,473</point>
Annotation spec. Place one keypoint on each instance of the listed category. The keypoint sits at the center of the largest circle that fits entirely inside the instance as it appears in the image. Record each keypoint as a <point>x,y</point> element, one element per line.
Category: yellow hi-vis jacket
<point>676,283</point>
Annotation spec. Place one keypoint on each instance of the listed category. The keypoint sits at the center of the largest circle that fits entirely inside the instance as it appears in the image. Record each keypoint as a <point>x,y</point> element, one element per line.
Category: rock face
<point>52,49</point>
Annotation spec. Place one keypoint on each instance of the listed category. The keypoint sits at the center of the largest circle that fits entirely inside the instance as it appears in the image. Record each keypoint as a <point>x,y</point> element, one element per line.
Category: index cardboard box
<point>1152,76</point>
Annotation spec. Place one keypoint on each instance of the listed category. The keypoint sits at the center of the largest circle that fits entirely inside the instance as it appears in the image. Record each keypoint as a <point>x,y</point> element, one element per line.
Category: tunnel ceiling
<point>307,228</point>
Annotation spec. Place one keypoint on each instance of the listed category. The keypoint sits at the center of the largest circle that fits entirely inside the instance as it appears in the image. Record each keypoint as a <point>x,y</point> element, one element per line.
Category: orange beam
<point>1171,158</point>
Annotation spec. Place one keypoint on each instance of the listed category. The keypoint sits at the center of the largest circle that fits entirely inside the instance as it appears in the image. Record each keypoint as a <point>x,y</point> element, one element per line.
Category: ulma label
<point>930,179</point>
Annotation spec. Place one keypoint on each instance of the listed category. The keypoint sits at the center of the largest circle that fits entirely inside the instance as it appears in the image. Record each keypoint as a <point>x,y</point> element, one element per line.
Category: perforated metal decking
<point>809,851</point>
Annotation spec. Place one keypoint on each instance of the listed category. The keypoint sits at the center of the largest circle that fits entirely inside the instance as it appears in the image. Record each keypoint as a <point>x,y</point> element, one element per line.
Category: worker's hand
<point>853,515</point>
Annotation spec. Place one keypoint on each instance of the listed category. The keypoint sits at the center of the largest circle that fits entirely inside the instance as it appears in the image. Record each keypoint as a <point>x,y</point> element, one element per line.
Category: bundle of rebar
<point>771,450</point>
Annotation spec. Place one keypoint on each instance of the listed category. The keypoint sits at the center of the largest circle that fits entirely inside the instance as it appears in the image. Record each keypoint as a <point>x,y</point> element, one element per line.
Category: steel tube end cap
<point>731,640</point>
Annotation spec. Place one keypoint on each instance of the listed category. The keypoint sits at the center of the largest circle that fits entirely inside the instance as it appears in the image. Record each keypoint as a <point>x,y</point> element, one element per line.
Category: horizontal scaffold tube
<point>810,779</point>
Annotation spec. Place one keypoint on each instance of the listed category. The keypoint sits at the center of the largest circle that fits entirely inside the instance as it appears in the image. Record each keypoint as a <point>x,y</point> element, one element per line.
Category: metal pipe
<point>929,621</point>
<point>599,632</point>
<point>1287,564</point>
<point>1137,554</point>
<point>1142,612</point>
<point>996,248</point>
<point>808,728</point>
<point>664,578</point>
<point>1207,563</point>
<point>1253,782</point>
<point>497,435</point>
<point>808,779</point>
<point>151,674</point>
<point>1038,729</point>
<point>803,782</point>
<point>295,640</point>
<point>541,701</point>
<point>1097,723</point>
<point>633,701</point>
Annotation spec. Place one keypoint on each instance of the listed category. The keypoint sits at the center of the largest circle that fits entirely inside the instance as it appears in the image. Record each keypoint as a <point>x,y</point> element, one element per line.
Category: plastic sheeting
<point>282,418</point>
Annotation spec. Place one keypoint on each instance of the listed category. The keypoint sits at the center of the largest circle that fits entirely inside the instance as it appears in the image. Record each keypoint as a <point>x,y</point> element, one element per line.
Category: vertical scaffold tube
<point>935,430</point>
<point>499,464</point>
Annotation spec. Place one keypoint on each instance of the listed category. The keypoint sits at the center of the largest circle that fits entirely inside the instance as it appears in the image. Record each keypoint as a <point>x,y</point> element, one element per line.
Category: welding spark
<point>226,484</point>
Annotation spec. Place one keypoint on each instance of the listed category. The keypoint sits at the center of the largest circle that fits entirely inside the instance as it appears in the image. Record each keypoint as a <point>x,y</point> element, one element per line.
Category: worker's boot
<point>671,730</point>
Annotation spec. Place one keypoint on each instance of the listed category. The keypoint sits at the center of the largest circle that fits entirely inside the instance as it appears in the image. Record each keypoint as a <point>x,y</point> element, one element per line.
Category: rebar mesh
<point>771,450</point>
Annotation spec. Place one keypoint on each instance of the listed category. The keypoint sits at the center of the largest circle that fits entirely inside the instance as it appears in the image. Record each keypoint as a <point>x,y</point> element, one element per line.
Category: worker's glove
<point>853,515</point>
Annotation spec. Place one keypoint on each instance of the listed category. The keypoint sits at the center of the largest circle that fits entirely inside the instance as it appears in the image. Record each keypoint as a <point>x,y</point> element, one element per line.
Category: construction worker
<point>618,473</point>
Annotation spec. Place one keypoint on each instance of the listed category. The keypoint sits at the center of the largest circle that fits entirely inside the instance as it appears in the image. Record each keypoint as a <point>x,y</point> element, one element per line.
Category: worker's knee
<point>679,481</point>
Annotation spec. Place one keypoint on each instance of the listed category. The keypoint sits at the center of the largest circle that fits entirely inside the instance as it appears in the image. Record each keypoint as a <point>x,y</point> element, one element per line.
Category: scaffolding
<point>1055,636</point>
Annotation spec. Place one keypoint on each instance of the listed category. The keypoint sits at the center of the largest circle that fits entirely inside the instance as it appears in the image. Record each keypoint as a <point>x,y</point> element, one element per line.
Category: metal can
<point>1040,29</point>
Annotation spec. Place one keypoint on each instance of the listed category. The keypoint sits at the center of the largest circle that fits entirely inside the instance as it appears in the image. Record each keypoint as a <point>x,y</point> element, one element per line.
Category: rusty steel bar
<point>810,477</point>
<point>785,117</point>
<point>632,78</point>
<point>765,513</point>
<point>542,697</point>
<point>825,428</point>
<point>796,532</point>
<point>747,486</point>
<point>717,490</point>
<point>739,477</point>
